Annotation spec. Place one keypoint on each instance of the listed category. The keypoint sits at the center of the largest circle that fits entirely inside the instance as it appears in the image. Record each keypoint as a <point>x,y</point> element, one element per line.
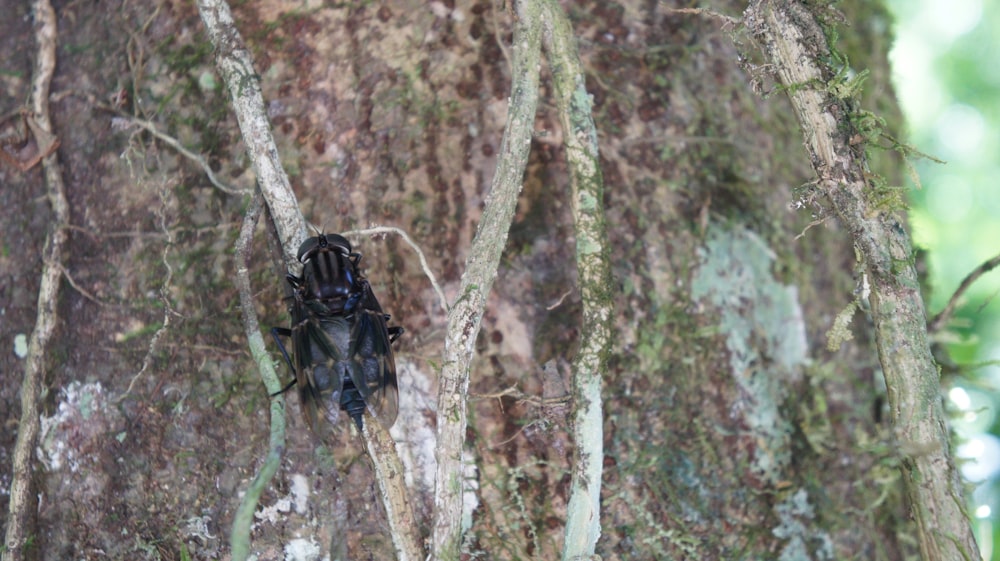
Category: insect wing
<point>372,366</point>
<point>318,360</point>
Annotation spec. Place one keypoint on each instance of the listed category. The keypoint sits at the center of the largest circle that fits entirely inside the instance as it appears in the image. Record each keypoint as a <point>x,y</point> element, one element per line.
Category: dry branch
<point>235,65</point>
<point>466,314</point>
<point>390,475</point>
<point>583,517</point>
<point>793,41</point>
<point>21,510</point>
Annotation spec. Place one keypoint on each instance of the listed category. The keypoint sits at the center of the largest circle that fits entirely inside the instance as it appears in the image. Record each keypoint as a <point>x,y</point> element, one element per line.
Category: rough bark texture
<point>729,430</point>
<point>795,43</point>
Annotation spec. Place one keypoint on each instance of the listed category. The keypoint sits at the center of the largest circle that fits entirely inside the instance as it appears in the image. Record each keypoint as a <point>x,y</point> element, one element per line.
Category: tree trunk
<point>745,414</point>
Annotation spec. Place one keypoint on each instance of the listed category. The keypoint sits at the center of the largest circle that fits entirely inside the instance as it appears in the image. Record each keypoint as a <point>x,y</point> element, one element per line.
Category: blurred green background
<point>946,66</point>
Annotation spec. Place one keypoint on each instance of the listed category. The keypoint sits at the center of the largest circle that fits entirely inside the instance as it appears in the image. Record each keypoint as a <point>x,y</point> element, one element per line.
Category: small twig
<point>729,20</point>
<point>945,314</point>
<point>498,36</point>
<point>135,52</point>
<point>224,227</point>
<point>390,475</point>
<point>239,537</point>
<point>496,395</point>
<point>147,360</point>
<point>519,432</point>
<point>121,121</point>
<point>196,158</point>
<point>560,301</point>
<point>809,226</point>
<point>21,509</point>
<point>210,348</point>
<point>520,396</point>
<point>680,140</point>
<point>420,254</point>
<point>83,292</point>
<point>168,310</point>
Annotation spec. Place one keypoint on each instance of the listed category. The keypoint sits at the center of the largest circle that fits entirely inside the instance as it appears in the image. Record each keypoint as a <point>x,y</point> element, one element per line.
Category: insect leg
<point>394,331</point>
<point>283,332</point>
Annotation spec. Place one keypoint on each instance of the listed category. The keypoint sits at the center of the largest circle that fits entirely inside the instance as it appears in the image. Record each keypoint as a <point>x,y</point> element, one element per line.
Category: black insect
<point>340,338</point>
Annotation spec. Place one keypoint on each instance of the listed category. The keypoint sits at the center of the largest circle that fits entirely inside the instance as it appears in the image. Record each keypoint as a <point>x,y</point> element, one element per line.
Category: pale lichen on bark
<point>583,518</point>
<point>791,37</point>
<point>765,335</point>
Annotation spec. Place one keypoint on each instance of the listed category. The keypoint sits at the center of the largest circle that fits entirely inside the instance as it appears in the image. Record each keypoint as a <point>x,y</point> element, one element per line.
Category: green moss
<point>860,77</point>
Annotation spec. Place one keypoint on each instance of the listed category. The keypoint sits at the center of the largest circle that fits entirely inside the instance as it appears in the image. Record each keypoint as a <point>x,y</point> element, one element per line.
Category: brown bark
<point>729,430</point>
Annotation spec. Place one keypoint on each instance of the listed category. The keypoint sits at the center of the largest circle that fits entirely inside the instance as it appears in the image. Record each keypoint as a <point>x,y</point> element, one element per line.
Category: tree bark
<point>719,427</point>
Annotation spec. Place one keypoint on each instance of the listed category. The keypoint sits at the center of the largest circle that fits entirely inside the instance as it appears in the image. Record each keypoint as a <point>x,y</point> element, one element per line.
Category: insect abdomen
<point>352,401</point>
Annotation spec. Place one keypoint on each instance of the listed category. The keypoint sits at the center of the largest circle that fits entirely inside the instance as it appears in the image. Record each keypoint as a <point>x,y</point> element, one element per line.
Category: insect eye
<point>339,242</point>
<point>306,248</point>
